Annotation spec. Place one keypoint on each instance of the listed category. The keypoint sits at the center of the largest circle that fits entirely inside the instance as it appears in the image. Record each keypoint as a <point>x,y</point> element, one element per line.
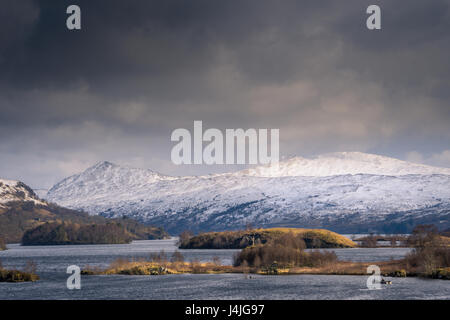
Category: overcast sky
<point>137,70</point>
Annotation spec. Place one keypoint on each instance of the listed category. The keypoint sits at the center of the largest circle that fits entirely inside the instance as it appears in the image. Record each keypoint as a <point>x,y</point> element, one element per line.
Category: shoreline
<point>395,268</point>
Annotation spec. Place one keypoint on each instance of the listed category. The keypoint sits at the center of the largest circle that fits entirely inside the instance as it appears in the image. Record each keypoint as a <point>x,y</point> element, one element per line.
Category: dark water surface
<point>52,262</point>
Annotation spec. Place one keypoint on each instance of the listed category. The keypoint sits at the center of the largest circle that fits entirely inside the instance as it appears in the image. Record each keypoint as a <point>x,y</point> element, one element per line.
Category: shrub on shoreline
<point>29,274</point>
<point>430,256</point>
<point>285,251</point>
<point>17,276</point>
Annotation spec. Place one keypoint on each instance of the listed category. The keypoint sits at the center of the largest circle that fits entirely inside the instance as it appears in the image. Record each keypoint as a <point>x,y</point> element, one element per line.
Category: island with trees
<point>312,238</point>
<point>69,233</point>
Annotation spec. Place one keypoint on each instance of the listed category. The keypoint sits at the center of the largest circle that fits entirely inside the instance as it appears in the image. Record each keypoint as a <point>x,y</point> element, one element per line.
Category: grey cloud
<point>139,69</point>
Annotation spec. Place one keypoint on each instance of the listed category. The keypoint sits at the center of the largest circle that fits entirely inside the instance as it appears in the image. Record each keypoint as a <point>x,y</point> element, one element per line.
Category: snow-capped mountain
<point>106,177</point>
<point>341,163</point>
<point>342,191</point>
<point>16,191</point>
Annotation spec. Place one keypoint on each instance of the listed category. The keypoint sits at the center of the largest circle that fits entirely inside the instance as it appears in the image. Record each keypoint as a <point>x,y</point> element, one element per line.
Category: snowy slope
<point>103,179</point>
<point>12,191</point>
<point>344,163</point>
<point>285,197</point>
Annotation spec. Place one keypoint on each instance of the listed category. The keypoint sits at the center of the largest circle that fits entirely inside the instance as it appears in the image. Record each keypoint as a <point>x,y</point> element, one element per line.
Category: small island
<point>17,276</point>
<point>313,238</point>
<point>29,274</point>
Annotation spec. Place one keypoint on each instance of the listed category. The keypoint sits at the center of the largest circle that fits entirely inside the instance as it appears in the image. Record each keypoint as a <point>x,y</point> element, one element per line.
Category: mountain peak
<point>8,182</point>
<point>105,176</point>
<point>12,191</point>
<point>103,165</point>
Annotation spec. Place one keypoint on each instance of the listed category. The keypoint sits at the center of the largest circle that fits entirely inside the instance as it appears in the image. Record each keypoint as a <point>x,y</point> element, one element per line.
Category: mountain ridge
<point>229,201</point>
<point>340,163</point>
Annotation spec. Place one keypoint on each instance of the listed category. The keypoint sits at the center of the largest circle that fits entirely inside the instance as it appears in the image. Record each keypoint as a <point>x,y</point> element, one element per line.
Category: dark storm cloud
<point>139,69</point>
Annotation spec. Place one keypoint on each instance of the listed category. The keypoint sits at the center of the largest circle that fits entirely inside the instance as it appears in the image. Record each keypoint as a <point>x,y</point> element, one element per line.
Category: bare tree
<point>30,267</point>
<point>2,243</point>
<point>185,236</point>
<point>216,261</point>
<point>370,241</point>
<point>393,239</point>
<point>429,252</point>
<point>177,257</point>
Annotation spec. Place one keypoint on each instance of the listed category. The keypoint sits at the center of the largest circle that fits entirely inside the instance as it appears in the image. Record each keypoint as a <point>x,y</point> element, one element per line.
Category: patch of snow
<point>341,163</point>
<point>11,191</point>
